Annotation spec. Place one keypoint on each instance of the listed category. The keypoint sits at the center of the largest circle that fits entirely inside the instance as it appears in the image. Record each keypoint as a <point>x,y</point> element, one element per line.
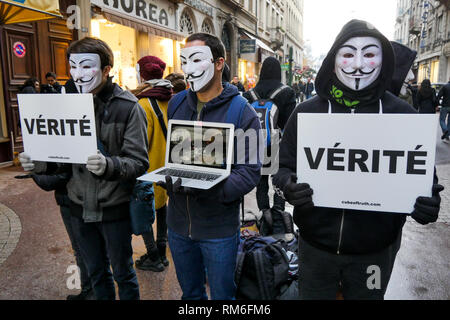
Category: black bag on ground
<point>262,269</point>
<point>276,222</point>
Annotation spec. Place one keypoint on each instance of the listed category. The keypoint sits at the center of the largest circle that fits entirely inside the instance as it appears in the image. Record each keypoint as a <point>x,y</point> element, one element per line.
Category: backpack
<point>234,113</point>
<point>267,112</point>
<point>274,222</point>
<point>262,269</point>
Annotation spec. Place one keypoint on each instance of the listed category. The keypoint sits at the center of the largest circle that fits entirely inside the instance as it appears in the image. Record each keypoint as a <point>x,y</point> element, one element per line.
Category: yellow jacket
<point>156,144</point>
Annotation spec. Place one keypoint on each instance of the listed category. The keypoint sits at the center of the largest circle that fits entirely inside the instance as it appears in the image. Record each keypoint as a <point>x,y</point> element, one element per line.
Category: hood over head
<point>326,78</point>
<point>404,59</point>
<point>270,70</point>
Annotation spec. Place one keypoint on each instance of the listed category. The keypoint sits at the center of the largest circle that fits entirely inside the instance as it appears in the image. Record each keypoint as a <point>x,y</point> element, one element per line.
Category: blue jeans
<point>100,240</point>
<point>194,259</point>
<point>444,119</point>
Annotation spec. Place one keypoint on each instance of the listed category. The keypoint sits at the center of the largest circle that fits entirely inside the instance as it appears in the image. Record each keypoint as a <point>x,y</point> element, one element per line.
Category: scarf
<point>161,90</point>
<point>350,98</point>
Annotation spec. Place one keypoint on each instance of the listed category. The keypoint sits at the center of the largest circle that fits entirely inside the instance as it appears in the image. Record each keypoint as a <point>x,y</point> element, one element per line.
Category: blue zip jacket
<point>214,213</point>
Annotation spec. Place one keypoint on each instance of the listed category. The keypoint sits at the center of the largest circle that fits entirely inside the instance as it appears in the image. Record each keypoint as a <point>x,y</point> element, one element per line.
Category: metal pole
<point>291,52</point>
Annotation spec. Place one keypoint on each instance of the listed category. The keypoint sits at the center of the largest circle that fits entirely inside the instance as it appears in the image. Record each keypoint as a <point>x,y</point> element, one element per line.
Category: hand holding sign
<point>426,209</point>
<point>298,195</point>
<point>96,164</point>
<point>27,163</point>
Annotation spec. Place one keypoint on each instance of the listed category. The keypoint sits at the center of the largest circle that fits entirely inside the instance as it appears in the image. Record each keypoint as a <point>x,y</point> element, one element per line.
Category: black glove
<point>175,187</point>
<point>299,195</point>
<point>426,210</point>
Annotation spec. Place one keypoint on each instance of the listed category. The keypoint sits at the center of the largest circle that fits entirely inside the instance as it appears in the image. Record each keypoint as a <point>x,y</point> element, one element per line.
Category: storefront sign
<point>200,6</point>
<point>150,11</point>
<point>19,49</point>
<point>58,127</point>
<point>247,46</point>
<point>376,162</point>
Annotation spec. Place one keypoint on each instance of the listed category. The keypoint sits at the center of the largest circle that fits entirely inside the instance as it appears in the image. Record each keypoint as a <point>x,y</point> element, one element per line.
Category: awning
<point>143,27</point>
<point>15,11</point>
<point>259,43</point>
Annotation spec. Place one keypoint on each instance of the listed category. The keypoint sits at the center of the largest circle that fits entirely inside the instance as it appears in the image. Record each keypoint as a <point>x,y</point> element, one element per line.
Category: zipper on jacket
<point>340,232</point>
<point>189,215</point>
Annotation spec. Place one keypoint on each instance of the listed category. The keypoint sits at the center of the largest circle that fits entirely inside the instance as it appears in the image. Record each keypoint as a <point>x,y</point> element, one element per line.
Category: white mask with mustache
<point>358,62</point>
<point>198,66</point>
<point>86,71</point>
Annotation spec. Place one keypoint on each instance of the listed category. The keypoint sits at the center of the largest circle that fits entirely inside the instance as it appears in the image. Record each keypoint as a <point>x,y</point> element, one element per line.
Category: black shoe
<point>141,259</point>
<point>85,294</point>
<point>445,136</point>
<point>151,265</point>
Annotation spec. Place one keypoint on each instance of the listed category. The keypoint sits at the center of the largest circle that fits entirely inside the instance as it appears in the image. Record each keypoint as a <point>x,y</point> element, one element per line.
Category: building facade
<point>428,25</point>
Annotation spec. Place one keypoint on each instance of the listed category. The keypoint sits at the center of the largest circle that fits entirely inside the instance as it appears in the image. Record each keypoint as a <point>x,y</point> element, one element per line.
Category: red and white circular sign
<point>19,49</point>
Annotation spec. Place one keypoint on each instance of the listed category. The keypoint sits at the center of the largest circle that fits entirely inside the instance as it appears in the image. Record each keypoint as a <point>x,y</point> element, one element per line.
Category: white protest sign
<point>372,162</point>
<point>58,127</point>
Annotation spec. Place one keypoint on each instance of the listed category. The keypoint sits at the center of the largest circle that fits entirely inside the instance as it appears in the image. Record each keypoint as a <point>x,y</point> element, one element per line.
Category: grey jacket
<point>122,129</point>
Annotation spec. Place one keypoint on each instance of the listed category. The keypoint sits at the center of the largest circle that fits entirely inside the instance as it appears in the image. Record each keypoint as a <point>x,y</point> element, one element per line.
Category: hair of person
<point>50,74</point>
<point>30,82</point>
<point>214,43</point>
<point>425,88</point>
<point>93,45</point>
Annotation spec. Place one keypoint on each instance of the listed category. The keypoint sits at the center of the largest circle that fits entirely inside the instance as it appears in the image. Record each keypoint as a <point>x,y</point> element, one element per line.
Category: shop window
<point>207,27</point>
<point>186,24</point>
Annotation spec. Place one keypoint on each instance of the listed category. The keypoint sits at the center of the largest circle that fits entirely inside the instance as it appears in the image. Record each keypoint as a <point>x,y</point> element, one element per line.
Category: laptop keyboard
<point>202,176</point>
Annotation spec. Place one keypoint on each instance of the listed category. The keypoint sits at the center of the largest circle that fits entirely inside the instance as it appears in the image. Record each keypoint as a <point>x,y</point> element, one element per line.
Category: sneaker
<point>445,136</point>
<point>151,265</point>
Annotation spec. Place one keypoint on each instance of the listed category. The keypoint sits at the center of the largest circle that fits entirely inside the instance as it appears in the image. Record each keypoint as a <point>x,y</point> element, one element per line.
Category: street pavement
<point>35,251</point>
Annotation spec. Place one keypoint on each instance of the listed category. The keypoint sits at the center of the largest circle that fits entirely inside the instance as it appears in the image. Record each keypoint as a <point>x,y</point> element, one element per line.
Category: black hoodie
<point>336,230</point>
<point>269,81</point>
<point>404,59</point>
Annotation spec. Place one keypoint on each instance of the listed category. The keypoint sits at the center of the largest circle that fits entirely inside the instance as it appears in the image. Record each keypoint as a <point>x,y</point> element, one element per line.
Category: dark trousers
<point>99,241</point>
<point>262,196</point>
<point>161,231</point>
<point>84,276</point>
<point>323,273</point>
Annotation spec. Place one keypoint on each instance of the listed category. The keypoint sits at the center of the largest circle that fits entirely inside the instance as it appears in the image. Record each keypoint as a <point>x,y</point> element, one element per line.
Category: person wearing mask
<point>444,117</point>
<point>100,190</point>
<point>31,85</point>
<point>337,246</point>
<point>426,98</point>
<point>268,84</point>
<point>154,98</point>
<point>203,225</point>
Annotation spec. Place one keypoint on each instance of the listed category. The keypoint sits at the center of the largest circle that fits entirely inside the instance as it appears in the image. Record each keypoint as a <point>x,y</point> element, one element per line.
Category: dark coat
<point>309,88</point>
<point>427,104</point>
<point>213,213</point>
<point>444,93</point>
<point>337,230</point>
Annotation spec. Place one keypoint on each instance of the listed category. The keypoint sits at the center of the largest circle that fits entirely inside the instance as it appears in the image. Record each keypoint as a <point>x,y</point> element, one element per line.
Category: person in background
<point>154,98</point>
<point>426,98</point>
<point>301,89</point>
<point>309,88</point>
<point>177,81</point>
<point>269,82</point>
<point>403,74</point>
<point>31,85</point>
<point>236,82</point>
<point>52,85</point>
<point>444,94</point>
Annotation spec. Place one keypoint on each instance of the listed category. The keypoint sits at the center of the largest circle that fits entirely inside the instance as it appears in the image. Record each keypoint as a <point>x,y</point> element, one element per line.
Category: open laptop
<point>200,153</point>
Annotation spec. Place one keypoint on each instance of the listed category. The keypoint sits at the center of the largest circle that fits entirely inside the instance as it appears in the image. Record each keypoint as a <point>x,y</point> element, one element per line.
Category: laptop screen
<point>204,146</point>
